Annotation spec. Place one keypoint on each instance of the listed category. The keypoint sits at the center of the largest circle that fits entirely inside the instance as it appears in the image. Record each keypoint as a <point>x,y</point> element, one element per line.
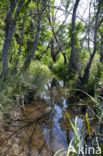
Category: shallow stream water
<point>42,128</point>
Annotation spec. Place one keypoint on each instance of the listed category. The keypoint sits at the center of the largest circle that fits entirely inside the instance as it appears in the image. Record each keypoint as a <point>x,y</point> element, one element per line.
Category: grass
<point>14,89</point>
<point>88,124</point>
<point>73,149</point>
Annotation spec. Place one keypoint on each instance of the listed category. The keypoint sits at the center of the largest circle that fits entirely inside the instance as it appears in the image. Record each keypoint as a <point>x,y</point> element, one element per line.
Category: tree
<point>9,31</point>
<point>85,77</point>
<point>73,60</point>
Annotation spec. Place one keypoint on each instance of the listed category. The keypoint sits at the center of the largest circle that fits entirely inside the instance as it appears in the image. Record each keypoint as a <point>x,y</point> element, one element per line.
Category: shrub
<point>15,88</point>
<point>37,75</point>
<point>60,69</point>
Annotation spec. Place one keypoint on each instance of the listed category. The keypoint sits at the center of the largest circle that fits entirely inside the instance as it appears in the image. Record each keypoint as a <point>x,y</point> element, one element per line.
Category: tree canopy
<point>31,30</point>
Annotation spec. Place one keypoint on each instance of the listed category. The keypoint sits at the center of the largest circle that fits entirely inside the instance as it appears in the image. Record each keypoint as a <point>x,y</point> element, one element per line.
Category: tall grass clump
<point>16,87</point>
<point>96,110</point>
<point>38,75</point>
<point>75,141</point>
<point>60,69</point>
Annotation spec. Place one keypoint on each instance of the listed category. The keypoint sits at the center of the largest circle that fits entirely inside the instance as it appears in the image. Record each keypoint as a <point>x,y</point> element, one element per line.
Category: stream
<point>42,128</point>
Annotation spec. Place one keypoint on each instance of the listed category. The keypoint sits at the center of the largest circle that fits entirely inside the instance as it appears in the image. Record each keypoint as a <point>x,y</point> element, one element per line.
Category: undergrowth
<point>14,89</point>
<point>77,140</point>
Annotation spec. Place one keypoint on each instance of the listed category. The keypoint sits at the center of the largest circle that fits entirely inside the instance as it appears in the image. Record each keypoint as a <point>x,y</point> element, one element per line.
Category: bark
<point>89,30</point>
<point>101,51</point>
<point>65,58</point>
<point>20,48</point>
<point>55,54</point>
<point>9,31</point>
<point>73,61</point>
<point>55,36</point>
<point>54,58</point>
<point>85,78</point>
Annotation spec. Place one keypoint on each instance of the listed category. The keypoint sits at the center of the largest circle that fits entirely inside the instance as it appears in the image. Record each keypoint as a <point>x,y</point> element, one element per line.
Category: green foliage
<point>97,112</point>
<point>63,72</point>
<point>37,75</point>
<point>95,75</point>
<point>9,90</point>
<point>60,69</point>
<point>66,3</point>
<point>47,60</point>
<point>16,87</point>
<point>78,30</point>
<point>29,14</point>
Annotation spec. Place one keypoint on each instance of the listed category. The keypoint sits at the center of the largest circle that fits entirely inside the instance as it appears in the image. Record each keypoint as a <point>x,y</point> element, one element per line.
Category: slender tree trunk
<point>54,57</point>
<point>65,58</point>
<point>85,78</point>
<point>101,51</point>
<point>73,61</point>
<point>34,47</point>
<point>35,43</point>
<point>20,48</point>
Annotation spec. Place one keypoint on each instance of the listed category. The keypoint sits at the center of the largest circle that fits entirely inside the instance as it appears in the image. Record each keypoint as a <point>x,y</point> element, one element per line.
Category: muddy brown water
<point>43,128</point>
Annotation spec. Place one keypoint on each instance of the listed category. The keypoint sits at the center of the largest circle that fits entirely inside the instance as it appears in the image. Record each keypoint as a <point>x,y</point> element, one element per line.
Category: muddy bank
<point>23,134</point>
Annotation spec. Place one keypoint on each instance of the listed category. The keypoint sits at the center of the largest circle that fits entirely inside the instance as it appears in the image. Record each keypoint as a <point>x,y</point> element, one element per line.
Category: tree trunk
<point>73,62</point>
<point>101,51</point>
<point>34,47</point>
<point>65,58</point>
<point>85,78</point>
<point>9,31</point>
<point>53,55</point>
<point>5,52</point>
<point>35,43</point>
<point>20,48</point>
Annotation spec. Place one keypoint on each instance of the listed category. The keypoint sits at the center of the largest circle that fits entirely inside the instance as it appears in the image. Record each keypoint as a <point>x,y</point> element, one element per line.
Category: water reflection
<point>43,128</point>
<point>55,135</point>
<point>58,131</point>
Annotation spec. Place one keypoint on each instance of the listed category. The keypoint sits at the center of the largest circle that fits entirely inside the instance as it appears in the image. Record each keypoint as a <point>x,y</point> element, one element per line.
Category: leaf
<point>58,152</point>
<point>67,5</point>
<point>88,124</point>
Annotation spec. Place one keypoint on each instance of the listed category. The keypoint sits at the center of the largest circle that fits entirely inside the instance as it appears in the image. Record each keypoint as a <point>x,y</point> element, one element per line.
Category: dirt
<point>22,134</point>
